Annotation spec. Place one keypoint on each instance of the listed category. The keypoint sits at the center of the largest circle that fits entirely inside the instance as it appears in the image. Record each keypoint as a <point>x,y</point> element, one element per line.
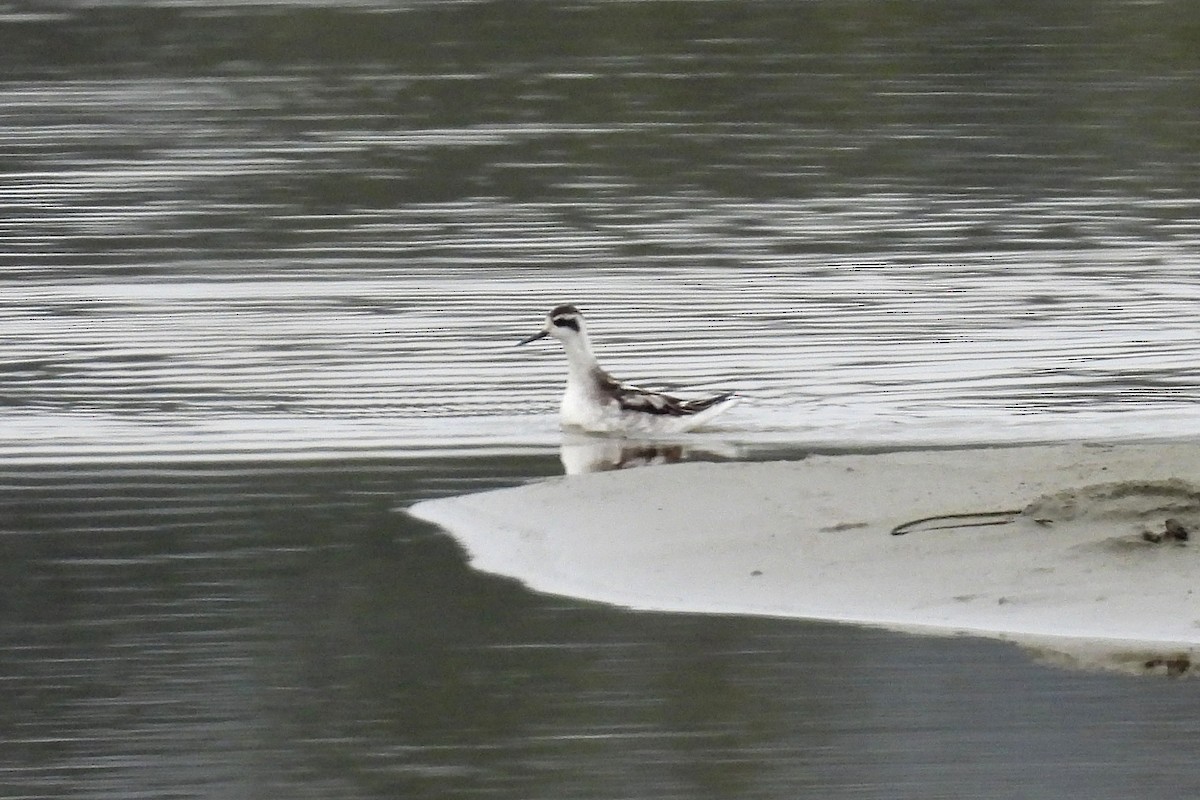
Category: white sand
<point>811,539</point>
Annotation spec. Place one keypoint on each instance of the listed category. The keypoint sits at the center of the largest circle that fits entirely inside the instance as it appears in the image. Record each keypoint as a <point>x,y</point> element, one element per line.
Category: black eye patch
<point>566,322</point>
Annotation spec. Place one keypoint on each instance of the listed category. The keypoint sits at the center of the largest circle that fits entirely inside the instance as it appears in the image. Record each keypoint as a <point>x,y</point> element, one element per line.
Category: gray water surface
<point>263,265</point>
<point>274,630</point>
<point>318,229</point>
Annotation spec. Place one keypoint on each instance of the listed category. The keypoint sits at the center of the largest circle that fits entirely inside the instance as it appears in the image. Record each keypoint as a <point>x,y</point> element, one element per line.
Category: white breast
<point>581,408</point>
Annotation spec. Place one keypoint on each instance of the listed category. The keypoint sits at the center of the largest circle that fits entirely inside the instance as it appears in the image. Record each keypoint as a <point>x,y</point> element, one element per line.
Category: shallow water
<point>252,629</point>
<point>264,265</point>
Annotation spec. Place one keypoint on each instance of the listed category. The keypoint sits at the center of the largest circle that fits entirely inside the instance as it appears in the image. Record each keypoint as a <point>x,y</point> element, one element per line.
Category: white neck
<point>584,399</point>
<point>581,361</point>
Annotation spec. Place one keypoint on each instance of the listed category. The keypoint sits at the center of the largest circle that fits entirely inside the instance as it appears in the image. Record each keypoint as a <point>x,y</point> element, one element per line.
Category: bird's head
<point>563,323</point>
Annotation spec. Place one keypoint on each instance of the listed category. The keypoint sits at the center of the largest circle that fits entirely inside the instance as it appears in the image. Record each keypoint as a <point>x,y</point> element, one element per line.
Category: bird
<point>598,403</point>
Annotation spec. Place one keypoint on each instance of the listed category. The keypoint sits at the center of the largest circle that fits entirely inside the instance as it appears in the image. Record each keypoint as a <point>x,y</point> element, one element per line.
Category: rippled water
<point>263,268</point>
<point>977,347</point>
<point>289,231</point>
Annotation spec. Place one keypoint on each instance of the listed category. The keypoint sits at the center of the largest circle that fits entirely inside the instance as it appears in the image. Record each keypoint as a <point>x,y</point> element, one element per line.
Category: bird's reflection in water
<point>582,453</point>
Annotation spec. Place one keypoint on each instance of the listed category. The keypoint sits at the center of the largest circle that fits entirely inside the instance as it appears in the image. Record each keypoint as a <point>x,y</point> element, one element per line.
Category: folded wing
<point>632,398</point>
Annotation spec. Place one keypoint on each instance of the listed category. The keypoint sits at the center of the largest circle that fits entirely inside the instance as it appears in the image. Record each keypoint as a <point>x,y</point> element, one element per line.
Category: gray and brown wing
<point>632,398</point>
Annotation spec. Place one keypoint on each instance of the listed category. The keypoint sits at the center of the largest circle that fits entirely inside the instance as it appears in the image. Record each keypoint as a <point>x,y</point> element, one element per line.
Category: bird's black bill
<point>534,338</point>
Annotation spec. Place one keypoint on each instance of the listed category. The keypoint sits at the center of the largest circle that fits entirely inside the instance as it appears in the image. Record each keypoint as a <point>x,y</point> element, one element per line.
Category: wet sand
<point>1050,545</point>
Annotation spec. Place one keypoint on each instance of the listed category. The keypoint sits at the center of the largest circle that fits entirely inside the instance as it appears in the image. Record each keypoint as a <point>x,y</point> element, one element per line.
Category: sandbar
<point>1066,547</point>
